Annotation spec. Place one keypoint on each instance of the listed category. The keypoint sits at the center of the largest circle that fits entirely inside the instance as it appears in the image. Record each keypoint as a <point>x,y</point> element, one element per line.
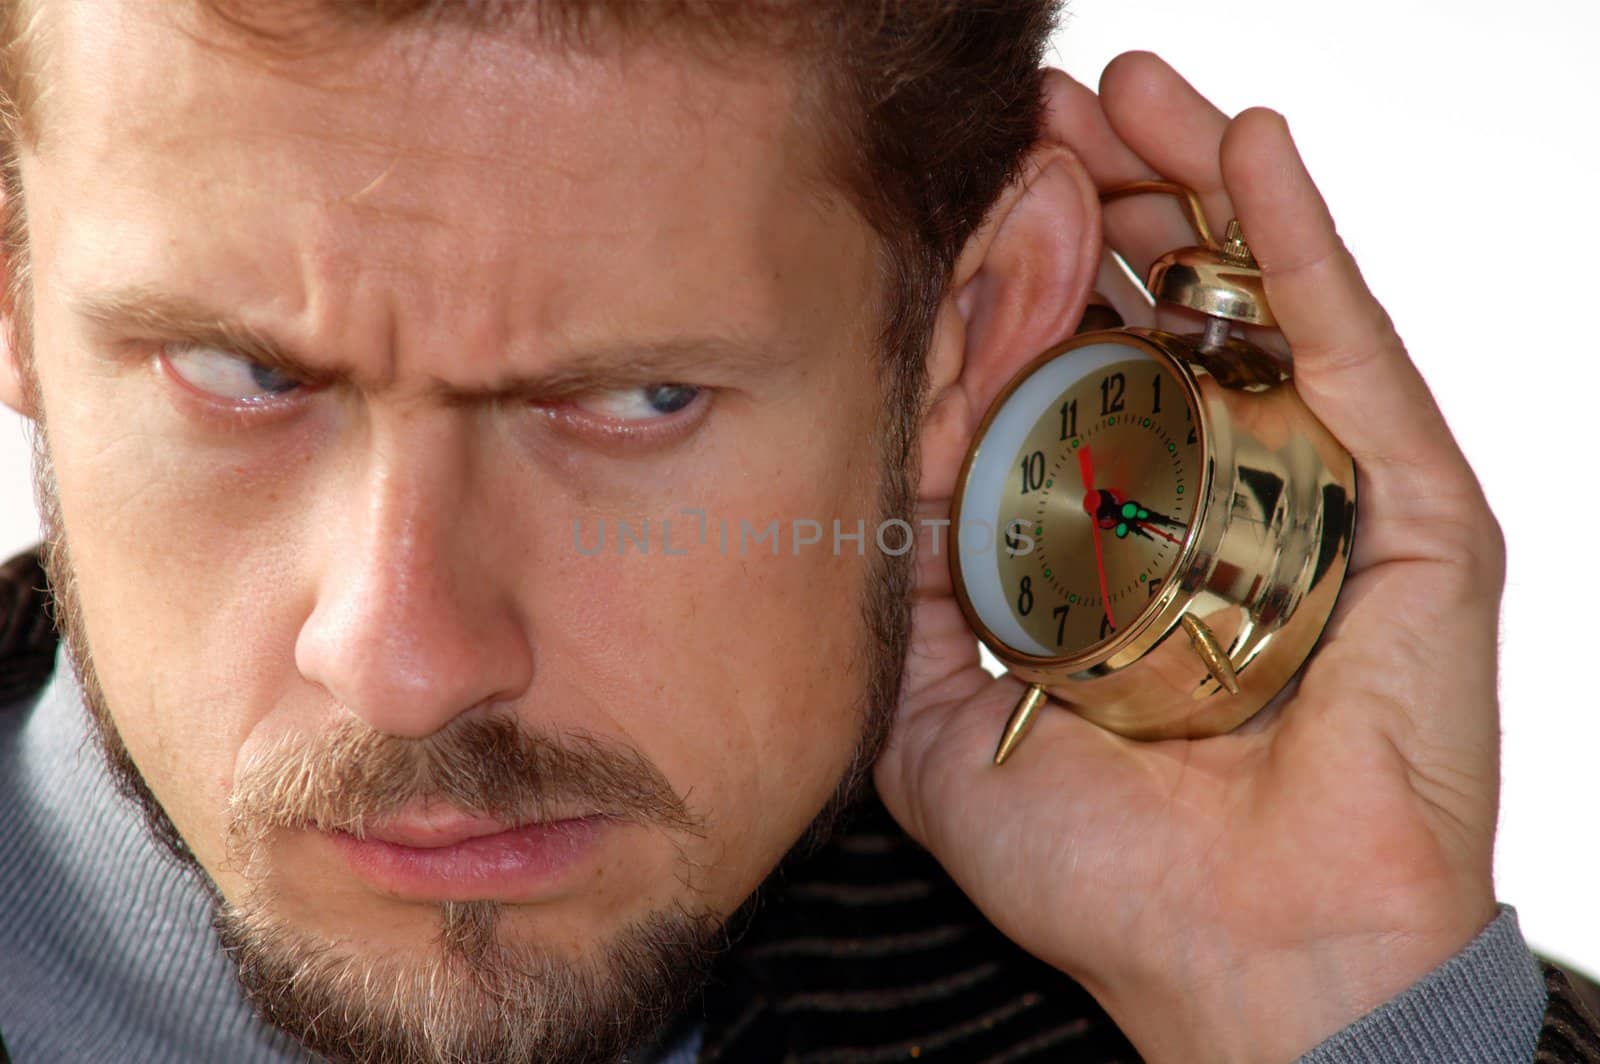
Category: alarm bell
<point>1218,279</point>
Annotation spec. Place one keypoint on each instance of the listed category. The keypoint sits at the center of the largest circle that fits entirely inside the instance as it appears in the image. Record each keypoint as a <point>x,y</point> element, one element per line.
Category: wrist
<point>1272,1004</point>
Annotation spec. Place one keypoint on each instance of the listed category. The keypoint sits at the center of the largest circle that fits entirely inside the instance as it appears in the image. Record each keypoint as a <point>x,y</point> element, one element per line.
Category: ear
<point>1020,285</point>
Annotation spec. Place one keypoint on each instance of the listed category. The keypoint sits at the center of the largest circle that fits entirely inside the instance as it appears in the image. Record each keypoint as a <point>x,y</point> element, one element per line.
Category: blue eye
<point>642,403</point>
<point>227,375</point>
<point>669,398</point>
<point>270,380</point>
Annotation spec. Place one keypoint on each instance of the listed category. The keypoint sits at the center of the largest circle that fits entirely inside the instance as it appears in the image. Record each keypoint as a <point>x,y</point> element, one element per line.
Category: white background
<point>1456,144</point>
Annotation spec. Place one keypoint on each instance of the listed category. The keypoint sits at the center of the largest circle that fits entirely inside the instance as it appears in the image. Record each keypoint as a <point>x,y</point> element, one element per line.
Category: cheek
<point>739,673</point>
<point>181,577</point>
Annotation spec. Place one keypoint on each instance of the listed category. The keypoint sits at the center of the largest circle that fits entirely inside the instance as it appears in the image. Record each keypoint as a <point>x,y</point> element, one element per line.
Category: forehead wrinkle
<point>553,84</point>
<point>435,53</point>
<point>422,50</point>
<point>391,179</point>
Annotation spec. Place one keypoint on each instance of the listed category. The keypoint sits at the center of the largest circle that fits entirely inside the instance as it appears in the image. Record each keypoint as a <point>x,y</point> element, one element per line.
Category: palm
<point>1125,829</point>
<point>1362,803</point>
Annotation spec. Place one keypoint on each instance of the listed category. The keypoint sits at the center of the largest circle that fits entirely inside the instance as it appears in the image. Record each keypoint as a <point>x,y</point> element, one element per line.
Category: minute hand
<point>1127,516</point>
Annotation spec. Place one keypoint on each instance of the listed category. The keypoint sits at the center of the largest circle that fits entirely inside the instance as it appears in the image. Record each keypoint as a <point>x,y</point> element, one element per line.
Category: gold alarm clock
<point>1153,528</point>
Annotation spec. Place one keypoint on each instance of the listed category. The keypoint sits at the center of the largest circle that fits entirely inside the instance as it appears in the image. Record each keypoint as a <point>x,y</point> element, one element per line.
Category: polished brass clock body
<point>1265,519</point>
<point>1153,528</point>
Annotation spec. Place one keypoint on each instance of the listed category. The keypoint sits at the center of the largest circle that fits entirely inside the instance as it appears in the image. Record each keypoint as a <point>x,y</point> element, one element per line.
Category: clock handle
<point>1192,210</point>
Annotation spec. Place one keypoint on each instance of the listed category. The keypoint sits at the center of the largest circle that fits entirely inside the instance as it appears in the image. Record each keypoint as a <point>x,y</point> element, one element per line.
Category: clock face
<point>1086,482</point>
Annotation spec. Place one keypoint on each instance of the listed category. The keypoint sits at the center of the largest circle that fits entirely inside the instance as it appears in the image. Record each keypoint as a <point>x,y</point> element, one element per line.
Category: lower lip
<point>514,865</point>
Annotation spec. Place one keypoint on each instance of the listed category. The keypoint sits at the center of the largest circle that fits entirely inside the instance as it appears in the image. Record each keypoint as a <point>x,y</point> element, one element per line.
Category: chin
<point>467,981</point>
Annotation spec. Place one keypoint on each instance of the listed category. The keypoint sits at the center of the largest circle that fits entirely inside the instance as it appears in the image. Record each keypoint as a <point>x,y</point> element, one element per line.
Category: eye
<point>224,375</point>
<point>643,403</point>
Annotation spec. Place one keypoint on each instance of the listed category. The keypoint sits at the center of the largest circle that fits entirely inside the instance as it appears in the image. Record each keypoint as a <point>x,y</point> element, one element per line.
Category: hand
<point>1245,896</point>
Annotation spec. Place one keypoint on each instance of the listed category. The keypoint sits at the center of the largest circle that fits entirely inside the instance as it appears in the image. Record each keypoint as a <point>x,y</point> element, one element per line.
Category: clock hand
<point>1108,509</point>
<point>1092,501</point>
<point>1155,517</point>
<point>1111,514</point>
<point>1126,515</point>
<point>1169,537</point>
<point>1121,509</point>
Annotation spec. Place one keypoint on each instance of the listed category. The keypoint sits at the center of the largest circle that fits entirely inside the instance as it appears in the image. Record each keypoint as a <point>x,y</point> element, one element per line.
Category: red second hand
<point>1163,535</point>
<point>1091,503</point>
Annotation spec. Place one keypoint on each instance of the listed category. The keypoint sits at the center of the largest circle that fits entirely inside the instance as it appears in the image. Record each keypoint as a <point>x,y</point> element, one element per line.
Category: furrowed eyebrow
<point>145,315</point>
<point>140,314</point>
<point>672,362</point>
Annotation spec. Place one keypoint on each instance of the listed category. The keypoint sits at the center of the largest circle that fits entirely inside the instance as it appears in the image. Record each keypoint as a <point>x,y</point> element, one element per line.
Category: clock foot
<point>1211,652</point>
<point>1021,720</point>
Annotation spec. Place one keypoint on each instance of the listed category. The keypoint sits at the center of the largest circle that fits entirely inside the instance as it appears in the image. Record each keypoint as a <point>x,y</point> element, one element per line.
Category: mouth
<point>444,855</point>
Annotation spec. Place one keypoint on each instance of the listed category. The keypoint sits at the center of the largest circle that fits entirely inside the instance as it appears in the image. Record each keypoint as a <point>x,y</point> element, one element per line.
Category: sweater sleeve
<point>1489,1004</point>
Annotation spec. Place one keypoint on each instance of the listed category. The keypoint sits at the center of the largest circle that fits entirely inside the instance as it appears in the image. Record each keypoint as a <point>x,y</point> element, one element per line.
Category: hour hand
<point>1155,517</point>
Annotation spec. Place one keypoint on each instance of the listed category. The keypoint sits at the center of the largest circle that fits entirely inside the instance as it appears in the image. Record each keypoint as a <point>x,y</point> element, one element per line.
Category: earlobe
<point>12,392</point>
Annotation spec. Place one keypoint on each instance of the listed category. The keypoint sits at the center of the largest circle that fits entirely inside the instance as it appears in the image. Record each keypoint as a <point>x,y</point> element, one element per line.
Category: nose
<point>413,624</point>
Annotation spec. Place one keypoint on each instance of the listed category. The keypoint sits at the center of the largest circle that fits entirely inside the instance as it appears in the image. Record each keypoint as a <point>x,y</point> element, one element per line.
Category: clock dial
<point>1094,507</point>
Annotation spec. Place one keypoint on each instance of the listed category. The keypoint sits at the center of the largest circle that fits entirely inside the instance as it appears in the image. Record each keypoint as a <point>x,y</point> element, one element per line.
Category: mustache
<point>489,766</point>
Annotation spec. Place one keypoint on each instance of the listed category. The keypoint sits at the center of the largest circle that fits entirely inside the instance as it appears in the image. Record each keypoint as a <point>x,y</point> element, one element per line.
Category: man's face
<point>494,256</point>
